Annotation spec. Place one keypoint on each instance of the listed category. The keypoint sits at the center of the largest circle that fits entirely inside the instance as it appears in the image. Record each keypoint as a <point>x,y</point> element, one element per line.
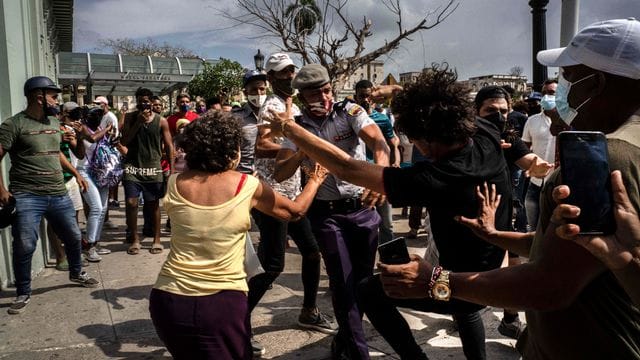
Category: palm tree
<point>306,15</point>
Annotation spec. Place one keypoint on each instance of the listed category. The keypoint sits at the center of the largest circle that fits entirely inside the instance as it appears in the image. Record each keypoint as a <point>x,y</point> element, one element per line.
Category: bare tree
<point>148,47</point>
<point>516,70</point>
<point>335,41</point>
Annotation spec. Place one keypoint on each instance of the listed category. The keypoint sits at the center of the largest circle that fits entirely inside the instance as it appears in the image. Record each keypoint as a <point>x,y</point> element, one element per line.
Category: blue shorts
<point>150,191</point>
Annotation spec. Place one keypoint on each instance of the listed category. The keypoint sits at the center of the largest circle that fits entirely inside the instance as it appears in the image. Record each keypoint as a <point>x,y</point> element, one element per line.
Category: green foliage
<point>222,79</point>
<point>148,47</point>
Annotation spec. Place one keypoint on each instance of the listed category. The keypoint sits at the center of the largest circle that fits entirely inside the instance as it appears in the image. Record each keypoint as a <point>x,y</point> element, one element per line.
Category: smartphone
<point>125,105</point>
<point>394,252</point>
<point>584,167</point>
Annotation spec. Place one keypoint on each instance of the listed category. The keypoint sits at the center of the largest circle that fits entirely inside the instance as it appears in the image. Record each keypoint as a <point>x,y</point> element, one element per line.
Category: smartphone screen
<point>584,167</point>
<point>394,252</point>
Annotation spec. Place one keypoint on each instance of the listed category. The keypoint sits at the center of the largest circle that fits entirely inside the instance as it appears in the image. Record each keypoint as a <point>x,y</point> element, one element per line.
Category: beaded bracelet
<point>435,273</point>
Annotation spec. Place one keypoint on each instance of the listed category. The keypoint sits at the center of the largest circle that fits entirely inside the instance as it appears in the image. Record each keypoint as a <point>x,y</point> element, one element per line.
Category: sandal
<point>156,249</point>
<point>134,249</point>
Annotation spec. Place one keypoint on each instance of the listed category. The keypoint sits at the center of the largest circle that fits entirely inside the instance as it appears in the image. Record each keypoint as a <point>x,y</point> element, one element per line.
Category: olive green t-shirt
<point>142,163</point>
<point>603,322</point>
<point>34,148</point>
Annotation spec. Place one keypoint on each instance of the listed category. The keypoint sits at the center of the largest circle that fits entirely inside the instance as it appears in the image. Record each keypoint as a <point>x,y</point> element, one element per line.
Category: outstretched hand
<point>319,172</point>
<point>372,199</point>
<point>539,169</point>
<point>278,120</point>
<point>616,251</point>
<point>484,224</point>
<point>406,281</point>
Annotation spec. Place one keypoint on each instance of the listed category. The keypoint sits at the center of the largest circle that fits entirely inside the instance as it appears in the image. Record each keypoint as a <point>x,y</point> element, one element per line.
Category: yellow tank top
<point>207,243</point>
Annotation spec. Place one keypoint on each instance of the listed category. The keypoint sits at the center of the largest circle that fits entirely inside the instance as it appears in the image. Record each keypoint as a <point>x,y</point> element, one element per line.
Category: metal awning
<point>109,74</point>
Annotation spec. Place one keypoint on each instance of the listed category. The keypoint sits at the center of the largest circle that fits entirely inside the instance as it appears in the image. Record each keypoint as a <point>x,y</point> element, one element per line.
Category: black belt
<point>341,206</point>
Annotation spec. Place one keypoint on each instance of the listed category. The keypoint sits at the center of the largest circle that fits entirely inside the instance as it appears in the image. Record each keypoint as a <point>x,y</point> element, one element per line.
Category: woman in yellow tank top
<point>199,302</point>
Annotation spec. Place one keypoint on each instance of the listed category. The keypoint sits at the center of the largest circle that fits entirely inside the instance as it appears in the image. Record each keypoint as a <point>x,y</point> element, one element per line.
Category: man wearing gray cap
<point>345,228</point>
<point>577,308</point>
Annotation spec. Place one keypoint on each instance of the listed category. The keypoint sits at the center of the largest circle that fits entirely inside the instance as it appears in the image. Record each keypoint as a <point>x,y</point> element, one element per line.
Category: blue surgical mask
<point>548,102</point>
<point>184,108</point>
<point>566,112</point>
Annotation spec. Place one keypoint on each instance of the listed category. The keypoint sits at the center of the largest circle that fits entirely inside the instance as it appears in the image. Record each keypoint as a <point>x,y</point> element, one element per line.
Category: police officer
<point>32,140</point>
<point>346,230</point>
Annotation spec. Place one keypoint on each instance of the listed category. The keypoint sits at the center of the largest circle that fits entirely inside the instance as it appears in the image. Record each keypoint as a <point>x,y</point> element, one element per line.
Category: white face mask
<point>257,100</point>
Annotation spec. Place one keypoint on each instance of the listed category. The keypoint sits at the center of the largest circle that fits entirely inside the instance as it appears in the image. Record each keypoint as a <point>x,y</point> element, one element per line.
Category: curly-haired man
<point>463,151</point>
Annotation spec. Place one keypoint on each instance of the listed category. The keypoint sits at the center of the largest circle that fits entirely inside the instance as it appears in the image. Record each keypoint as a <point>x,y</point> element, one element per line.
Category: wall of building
<point>25,51</point>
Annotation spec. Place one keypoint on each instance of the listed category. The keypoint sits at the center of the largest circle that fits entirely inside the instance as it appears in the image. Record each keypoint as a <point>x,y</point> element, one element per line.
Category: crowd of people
<point>326,173</point>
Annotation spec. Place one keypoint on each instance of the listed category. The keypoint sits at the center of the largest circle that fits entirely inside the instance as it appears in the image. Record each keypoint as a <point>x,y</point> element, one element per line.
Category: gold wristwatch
<point>441,290</point>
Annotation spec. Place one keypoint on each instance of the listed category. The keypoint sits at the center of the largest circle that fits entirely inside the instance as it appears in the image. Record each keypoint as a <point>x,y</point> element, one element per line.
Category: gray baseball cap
<point>310,76</point>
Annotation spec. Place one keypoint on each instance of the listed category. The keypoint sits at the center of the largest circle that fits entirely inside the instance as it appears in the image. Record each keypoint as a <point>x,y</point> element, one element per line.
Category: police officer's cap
<point>40,82</point>
<point>310,76</point>
<point>251,75</point>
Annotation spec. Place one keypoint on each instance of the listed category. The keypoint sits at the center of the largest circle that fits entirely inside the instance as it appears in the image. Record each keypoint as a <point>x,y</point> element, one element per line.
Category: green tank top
<point>142,163</point>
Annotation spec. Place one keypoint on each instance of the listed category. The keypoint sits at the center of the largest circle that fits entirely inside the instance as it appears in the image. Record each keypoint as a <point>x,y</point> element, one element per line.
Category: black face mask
<point>283,86</point>
<point>534,108</point>
<point>497,119</point>
<point>51,110</point>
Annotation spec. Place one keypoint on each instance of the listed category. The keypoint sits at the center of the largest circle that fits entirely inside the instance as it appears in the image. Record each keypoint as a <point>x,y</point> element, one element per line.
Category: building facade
<point>518,82</point>
<point>374,72</point>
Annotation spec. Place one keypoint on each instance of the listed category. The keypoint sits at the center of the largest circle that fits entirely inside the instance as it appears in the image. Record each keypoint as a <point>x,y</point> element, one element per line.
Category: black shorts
<point>150,191</point>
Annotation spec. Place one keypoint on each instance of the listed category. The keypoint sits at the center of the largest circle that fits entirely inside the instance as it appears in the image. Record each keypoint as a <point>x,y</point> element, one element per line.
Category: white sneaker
<point>92,255</point>
<point>101,250</point>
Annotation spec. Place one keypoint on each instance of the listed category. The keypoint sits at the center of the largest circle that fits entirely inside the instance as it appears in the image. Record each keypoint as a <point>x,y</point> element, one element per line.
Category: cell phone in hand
<point>584,167</point>
<point>394,252</point>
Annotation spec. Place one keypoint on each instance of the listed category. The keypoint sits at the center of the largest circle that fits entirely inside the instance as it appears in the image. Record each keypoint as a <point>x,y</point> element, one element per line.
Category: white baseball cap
<point>278,61</point>
<point>101,100</point>
<point>611,46</point>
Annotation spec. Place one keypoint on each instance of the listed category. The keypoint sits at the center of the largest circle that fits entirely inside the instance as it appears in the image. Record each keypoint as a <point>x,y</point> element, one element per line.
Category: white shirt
<point>536,131</point>
<point>265,167</point>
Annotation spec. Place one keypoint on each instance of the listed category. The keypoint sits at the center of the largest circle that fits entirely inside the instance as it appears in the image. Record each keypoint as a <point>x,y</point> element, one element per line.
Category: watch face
<point>441,291</point>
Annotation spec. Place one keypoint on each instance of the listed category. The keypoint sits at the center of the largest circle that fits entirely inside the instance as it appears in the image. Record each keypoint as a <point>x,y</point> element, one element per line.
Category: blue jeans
<point>386,224</point>
<point>60,213</point>
<point>96,198</point>
<point>383,313</point>
<point>532,203</point>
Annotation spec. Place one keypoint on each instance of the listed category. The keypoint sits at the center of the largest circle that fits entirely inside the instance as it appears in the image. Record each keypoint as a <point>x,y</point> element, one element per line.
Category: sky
<point>481,37</point>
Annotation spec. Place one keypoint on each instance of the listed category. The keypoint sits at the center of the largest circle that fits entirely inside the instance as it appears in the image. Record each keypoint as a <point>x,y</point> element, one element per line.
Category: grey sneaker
<point>19,304</point>
<point>102,251</point>
<point>258,349</point>
<point>84,279</point>
<point>92,255</point>
<point>315,320</point>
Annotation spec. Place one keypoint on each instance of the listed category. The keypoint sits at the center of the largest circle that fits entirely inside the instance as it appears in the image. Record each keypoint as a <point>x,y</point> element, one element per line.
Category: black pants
<point>383,313</point>
<point>271,249</point>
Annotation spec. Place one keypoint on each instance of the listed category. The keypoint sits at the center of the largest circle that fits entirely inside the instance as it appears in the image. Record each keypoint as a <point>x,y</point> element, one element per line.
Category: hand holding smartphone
<point>394,252</point>
<point>584,167</point>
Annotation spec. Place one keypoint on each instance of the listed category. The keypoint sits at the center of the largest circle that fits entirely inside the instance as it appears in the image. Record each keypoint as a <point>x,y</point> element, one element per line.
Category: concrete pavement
<point>65,321</point>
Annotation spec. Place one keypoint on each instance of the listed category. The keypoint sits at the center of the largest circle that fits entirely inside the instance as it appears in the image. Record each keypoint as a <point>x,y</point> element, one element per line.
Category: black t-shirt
<point>517,150</point>
<point>448,188</point>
